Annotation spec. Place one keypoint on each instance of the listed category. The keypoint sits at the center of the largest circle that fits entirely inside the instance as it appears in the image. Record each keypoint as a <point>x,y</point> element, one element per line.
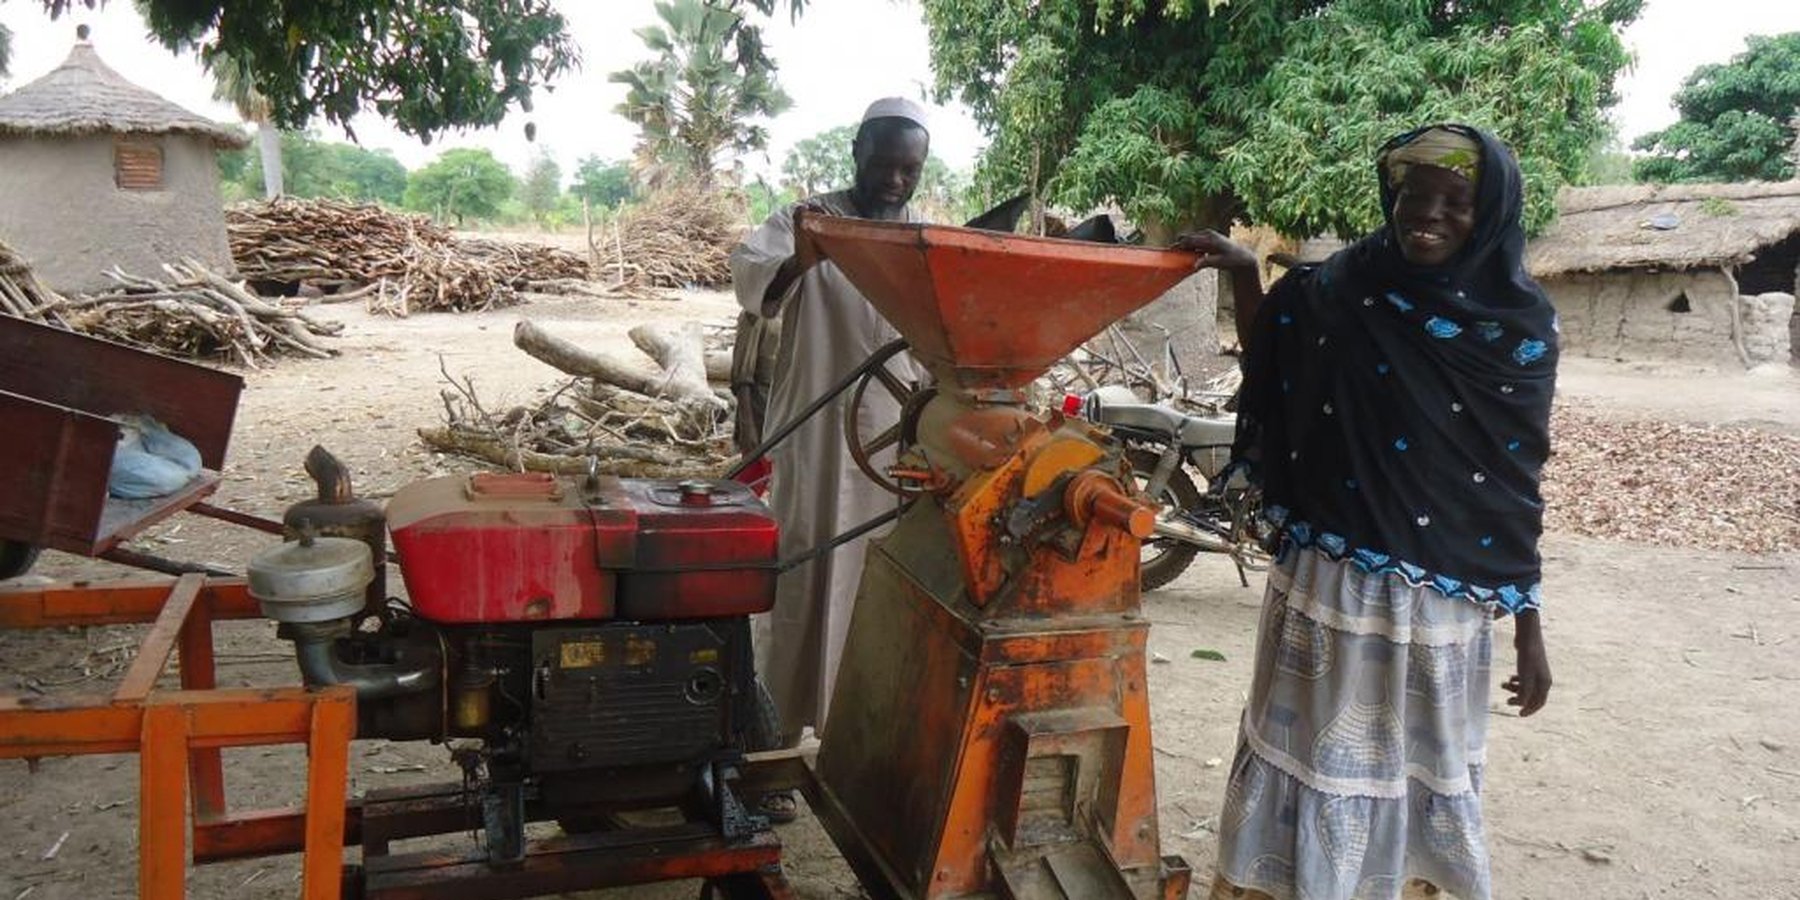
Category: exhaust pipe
<point>315,647</point>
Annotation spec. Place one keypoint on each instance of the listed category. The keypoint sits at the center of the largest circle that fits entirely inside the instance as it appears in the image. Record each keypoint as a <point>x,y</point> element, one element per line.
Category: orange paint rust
<point>1006,692</point>
<point>971,513</point>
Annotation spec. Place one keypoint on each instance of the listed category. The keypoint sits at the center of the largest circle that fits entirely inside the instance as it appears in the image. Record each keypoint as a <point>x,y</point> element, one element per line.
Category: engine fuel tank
<point>496,548</point>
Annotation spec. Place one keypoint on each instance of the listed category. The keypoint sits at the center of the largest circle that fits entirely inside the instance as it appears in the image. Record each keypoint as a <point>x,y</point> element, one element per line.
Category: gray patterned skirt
<point>1361,750</point>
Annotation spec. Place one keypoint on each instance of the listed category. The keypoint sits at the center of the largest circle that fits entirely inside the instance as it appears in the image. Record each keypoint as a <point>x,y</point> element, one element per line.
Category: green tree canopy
<point>317,168</point>
<point>820,163</point>
<point>542,187</point>
<point>1184,113</point>
<point>697,99</point>
<point>460,184</point>
<point>426,66</point>
<point>1738,119</point>
<point>603,183</point>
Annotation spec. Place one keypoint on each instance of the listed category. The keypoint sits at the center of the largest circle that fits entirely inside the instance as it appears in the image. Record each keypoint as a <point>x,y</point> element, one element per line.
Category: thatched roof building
<point>96,172</point>
<point>1696,272</point>
<point>84,96</point>
<point>1666,227</point>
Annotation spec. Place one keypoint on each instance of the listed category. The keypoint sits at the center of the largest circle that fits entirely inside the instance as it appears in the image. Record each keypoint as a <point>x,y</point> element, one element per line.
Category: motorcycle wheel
<point>16,558</point>
<point>1162,560</point>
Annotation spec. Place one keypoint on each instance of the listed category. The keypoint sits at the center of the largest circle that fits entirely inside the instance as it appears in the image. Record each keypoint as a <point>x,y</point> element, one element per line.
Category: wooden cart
<point>58,392</point>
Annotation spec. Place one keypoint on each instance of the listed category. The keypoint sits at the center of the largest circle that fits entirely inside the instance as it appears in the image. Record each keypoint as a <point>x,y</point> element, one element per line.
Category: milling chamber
<point>989,734</point>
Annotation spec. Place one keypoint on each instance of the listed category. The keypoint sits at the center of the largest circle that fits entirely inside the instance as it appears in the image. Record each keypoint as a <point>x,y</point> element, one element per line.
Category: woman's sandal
<point>779,806</point>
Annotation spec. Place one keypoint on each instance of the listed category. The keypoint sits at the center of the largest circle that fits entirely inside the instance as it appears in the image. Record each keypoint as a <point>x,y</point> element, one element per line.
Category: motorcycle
<point>1167,449</point>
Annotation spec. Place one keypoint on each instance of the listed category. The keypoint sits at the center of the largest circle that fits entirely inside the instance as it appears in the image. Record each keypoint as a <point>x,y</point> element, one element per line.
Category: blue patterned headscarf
<point>1398,415</point>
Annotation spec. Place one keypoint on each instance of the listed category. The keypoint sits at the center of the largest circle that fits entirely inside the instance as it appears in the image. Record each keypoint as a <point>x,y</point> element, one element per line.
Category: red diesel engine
<point>592,634</point>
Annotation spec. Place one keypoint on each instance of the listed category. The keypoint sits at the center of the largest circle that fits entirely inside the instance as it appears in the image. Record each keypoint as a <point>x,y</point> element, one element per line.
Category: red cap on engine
<point>1071,405</point>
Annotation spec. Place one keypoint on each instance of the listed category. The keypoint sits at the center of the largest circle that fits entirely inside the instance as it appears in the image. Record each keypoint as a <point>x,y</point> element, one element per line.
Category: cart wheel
<point>16,558</point>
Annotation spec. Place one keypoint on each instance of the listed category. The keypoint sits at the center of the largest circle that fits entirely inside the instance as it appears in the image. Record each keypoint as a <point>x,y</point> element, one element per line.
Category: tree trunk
<point>574,360</point>
<point>268,146</point>
<point>680,351</point>
<point>1179,329</point>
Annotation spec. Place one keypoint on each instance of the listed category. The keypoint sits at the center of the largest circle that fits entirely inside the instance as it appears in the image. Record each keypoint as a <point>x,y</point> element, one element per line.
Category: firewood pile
<point>1672,484</point>
<point>623,416</point>
<point>680,237</point>
<point>398,264</point>
<point>192,311</point>
<point>21,293</point>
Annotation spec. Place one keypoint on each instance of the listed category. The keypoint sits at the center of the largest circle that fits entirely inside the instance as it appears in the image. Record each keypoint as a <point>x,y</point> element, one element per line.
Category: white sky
<point>840,55</point>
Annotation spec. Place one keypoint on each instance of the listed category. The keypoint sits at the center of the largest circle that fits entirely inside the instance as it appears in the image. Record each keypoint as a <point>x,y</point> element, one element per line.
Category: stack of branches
<point>619,416</point>
<point>680,237</point>
<point>22,294</point>
<point>398,263</point>
<point>193,312</point>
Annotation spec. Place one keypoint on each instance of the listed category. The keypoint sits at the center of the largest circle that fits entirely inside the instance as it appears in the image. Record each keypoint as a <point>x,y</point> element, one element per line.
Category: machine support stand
<point>178,736</point>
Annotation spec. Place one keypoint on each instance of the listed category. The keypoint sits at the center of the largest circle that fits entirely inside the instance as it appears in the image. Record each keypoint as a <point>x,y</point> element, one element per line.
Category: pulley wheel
<point>863,449</point>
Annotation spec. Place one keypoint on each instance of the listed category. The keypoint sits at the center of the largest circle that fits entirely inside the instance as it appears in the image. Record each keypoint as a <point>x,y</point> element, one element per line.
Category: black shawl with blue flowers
<point>1398,416</point>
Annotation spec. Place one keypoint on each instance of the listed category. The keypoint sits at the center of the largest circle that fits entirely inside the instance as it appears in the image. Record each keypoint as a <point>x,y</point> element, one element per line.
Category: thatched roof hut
<point>1666,227</point>
<point>96,171</point>
<point>84,96</point>
<point>1696,272</point>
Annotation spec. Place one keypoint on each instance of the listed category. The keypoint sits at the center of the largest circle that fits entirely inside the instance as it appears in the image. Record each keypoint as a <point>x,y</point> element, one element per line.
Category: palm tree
<point>694,101</point>
<point>234,83</point>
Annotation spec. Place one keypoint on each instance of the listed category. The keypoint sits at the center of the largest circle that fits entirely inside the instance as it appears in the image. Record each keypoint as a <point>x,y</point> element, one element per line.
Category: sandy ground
<point>1667,764</point>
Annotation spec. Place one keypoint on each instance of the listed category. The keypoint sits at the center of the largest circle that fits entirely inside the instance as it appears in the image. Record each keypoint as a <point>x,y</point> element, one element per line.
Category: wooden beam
<point>153,652</point>
<point>162,804</point>
<point>327,784</point>
<point>122,602</point>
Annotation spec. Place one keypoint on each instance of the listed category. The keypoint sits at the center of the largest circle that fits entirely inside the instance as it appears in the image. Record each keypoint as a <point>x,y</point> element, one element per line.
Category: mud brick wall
<point>1676,316</point>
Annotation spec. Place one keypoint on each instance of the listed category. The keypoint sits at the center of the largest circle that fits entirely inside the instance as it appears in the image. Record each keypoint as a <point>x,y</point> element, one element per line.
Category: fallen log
<point>718,366</point>
<point>567,357</point>
<point>680,351</point>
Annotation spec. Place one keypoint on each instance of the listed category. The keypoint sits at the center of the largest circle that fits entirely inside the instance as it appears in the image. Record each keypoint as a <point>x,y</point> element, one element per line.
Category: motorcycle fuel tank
<point>494,548</point>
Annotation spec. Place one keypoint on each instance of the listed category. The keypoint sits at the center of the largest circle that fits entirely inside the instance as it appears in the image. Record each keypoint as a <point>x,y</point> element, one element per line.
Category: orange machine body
<point>991,725</point>
<point>989,734</point>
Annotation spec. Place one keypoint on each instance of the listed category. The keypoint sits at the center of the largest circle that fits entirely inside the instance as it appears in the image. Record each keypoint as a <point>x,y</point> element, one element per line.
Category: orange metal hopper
<point>984,309</point>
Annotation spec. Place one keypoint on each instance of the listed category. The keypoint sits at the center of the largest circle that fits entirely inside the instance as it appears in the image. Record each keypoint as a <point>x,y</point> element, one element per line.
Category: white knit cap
<point>897,108</point>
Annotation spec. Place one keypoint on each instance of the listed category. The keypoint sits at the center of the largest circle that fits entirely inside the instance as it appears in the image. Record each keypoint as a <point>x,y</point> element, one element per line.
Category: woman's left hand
<point>1216,251</point>
<point>1530,685</point>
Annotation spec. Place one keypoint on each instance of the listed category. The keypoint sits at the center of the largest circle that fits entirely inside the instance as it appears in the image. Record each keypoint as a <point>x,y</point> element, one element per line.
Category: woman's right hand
<point>1216,251</point>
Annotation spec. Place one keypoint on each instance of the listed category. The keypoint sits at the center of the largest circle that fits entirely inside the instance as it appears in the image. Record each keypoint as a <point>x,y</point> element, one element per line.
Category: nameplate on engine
<point>583,654</point>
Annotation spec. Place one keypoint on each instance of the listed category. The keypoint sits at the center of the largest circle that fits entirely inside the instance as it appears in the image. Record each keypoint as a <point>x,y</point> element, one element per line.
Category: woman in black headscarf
<point>1396,411</point>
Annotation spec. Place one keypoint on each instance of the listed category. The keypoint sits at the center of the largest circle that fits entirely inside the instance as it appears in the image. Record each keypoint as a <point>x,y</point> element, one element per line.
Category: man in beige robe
<point>828,329</point>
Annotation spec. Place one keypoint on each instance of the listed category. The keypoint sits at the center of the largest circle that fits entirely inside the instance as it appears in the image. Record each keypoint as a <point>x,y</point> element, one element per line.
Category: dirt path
<point>1667,765</point>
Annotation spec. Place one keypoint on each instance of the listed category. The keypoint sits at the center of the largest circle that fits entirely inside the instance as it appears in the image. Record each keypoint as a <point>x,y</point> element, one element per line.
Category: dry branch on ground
<point>191,311</point>
<point>628,417</point>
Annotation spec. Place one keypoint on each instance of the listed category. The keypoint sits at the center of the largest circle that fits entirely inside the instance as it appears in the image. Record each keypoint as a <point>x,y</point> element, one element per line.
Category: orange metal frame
<point>178,734</point>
